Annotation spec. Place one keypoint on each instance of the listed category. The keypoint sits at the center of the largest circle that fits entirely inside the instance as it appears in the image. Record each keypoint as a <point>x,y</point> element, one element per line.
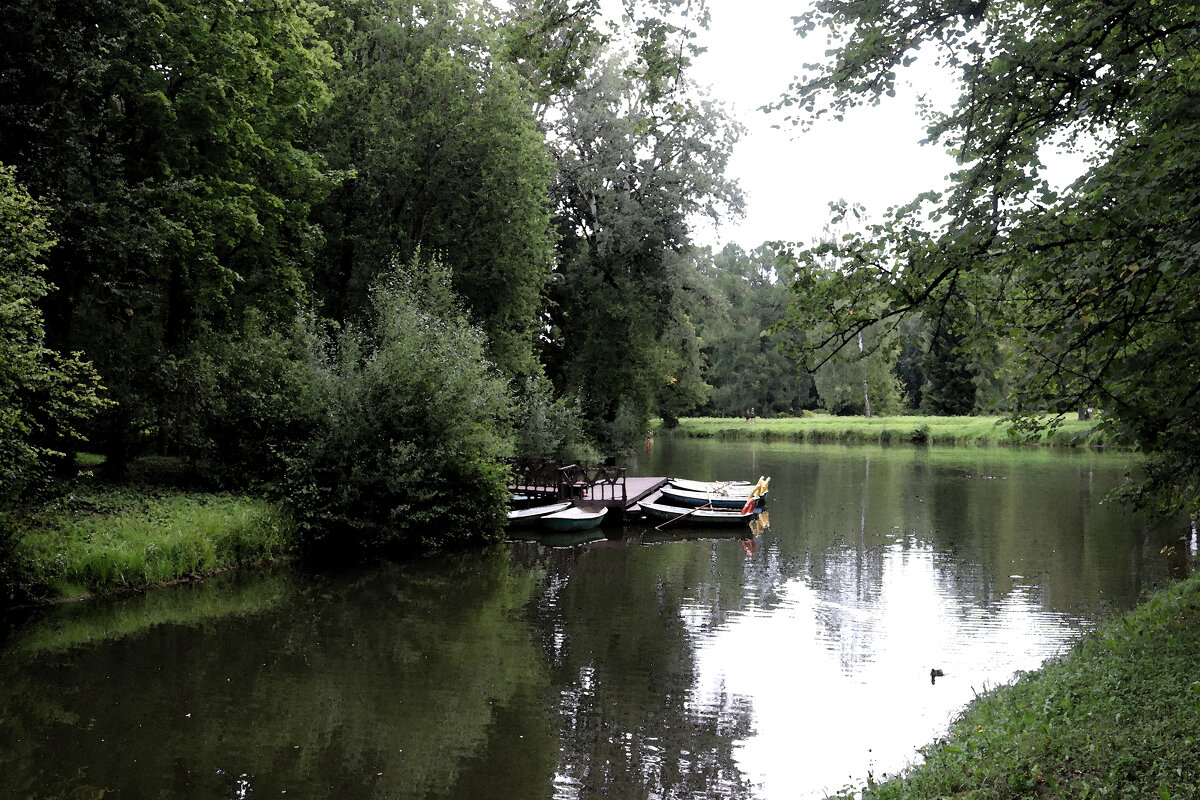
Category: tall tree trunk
<point>866,393</point>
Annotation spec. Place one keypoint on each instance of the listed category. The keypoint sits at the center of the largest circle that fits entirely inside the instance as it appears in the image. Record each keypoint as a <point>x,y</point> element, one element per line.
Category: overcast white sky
<point>873,157</point>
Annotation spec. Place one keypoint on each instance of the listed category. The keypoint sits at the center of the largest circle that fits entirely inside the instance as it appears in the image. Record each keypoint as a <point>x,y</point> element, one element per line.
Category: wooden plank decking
<point>635,489</point>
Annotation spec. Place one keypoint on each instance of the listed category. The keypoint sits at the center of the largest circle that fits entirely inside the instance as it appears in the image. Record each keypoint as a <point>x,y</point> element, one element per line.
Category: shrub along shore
<point>993,430</point>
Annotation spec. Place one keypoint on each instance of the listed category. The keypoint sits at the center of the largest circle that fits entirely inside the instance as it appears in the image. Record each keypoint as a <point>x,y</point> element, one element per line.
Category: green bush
<point>628,428</point>
<point>234,402</point>
<point>45,396</point>
<point>406,447</point>
<point>549,428</point>
<point>920,434</point>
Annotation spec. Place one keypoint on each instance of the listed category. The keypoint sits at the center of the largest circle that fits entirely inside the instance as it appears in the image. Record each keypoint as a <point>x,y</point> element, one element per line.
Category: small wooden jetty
<point>590,486</point>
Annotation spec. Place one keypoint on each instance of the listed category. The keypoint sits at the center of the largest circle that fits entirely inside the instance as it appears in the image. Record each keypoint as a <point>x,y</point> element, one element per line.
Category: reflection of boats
<point>570,538</point>
<point>716,487</point>
<point>683,533</point>
<point>526,517</point>
<point>572,519</point>
<point>696,515</point>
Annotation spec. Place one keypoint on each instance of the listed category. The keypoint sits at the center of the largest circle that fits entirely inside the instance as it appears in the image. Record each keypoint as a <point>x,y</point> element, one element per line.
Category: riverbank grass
<point>106,540</point>
<point>1119,716</point>
<point>824,428</point>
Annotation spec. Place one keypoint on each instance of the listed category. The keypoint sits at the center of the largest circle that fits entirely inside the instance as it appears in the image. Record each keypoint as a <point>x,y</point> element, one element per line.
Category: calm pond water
<point>643,665</point>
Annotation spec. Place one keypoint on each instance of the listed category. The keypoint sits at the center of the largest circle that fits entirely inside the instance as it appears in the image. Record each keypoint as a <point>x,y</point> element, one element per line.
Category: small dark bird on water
<point>934,674</point>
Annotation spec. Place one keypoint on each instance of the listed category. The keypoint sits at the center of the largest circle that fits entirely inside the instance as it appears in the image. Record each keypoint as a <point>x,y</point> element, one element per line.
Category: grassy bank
<point>102,540</point>
<point>1119,716</point>
<point>918,430</point>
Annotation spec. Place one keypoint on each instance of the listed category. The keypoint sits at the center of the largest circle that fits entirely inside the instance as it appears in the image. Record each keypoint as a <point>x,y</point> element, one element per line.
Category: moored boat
<point>572,519</point>
<point>716,487</point>
<point>689,499</point>
<point>695,515</point>
<point>529,516</point>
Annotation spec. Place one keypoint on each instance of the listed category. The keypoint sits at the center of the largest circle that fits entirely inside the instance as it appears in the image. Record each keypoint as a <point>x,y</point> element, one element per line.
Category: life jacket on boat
<point>758,491</point>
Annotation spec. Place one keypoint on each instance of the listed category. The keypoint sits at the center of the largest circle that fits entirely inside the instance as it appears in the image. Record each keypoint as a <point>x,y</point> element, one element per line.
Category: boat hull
<point>695,516</point>
<point>572,519</point>
<point>529,517</point>
<point>682,497</point>
<point>716,487</point>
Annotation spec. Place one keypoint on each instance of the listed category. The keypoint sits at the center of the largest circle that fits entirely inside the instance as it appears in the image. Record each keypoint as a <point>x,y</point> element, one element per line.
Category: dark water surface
<point>640,666</point>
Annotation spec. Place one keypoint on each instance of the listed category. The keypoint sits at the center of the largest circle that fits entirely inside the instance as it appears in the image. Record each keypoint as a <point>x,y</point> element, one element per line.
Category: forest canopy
<point>208,200</point>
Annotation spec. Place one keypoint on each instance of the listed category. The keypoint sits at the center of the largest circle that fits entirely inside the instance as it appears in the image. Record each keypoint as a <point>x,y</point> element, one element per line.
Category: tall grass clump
<point>1119,716</point>
<point>121,539</point>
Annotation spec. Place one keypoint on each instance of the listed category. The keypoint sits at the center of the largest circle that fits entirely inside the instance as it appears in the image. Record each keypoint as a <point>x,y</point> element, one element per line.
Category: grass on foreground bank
<point>1118,716</point>
<point>101,540</point>
<point>992,430</point>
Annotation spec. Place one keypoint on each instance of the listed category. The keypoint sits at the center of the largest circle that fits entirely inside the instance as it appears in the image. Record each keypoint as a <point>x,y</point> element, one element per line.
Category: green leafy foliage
<point>909,358</point>
<point>405,449</point>
<point>847,385</point>
<point>44,397</point>
<point>169,135</point>
<point>949,388</point>
<point>637,157</point>
<point>749,365</point>
<point>235,402</point>
<point>446,157</point>
<point>549,427</point>
<point>1092,288</point>
<point>551,43</point>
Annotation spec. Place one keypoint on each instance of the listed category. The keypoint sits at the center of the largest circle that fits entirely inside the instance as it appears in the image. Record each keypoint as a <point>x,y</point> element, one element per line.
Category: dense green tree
<point>745,358</point>
<point>236,401</point>
<point>908,370</point>
<point>638,154</point>
<point>549,427</point>
<point>169,136</point>
<point>446,157</point>
<point>862,382</point>
<point>44,396</point>
<point>551,43</point>
<point>1095,285</point>
<point>949,388</point>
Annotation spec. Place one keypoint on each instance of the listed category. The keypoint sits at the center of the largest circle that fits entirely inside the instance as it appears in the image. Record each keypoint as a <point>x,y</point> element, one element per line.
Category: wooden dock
<point>588,486</point>
<point>636,489</point>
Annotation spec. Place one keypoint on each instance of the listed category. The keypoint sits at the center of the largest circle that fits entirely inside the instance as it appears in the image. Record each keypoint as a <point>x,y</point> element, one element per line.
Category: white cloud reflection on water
<point>840,685</point>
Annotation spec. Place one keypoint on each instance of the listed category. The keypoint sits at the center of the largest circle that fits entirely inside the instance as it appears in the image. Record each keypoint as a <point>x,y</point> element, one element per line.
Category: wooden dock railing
<point>568,481</point>
<point>593,482</point>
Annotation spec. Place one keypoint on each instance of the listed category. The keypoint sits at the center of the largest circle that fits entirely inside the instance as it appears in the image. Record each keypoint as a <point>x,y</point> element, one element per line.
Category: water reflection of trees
<point>995,529</point>
<point>413,681</point>
<point>620,625</point>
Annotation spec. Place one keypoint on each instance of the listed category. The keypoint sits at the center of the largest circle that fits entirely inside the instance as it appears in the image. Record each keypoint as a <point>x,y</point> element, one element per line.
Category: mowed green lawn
<point>992,430</point>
